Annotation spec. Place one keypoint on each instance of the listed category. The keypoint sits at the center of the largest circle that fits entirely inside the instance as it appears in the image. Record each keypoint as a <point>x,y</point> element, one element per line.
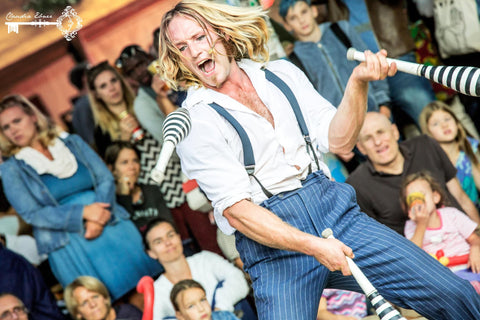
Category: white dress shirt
<point>213,154</point>
<point>208,269</point>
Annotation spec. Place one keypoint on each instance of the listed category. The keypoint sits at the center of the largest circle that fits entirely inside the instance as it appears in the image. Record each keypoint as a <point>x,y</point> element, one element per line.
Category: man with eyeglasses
<point>12,307</point>
<point>22,280</point>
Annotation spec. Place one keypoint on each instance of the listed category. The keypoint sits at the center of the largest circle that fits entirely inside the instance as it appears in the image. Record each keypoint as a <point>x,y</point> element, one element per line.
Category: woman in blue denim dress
<point>60,186</point>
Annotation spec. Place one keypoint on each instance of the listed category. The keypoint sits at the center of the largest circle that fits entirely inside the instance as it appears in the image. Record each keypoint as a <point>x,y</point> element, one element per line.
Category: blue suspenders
<point>248,157</point>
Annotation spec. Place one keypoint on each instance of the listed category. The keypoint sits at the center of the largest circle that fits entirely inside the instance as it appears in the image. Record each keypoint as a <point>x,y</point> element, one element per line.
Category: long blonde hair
<point>102,116</point>
<point>462,133</point>
<point>243,32</point>
<point>47,131</point>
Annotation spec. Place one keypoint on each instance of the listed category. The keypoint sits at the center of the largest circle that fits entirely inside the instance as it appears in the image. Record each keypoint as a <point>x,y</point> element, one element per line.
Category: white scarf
<point>63,165</point>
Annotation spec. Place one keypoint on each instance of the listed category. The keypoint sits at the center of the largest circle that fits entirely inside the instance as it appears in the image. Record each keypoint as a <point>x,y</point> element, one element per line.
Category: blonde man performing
<point>260,164</point>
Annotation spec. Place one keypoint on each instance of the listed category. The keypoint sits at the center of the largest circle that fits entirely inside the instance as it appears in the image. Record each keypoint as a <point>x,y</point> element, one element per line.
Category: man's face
<point>12,308</point>
<point>165,244</point>
<point>300,19</point>
<point>378,140</point>
<point>202,51</point>
<point>136,67</point>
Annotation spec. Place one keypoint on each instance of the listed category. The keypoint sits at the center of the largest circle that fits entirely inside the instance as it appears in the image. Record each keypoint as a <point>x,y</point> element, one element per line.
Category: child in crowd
<point>439,121</point>
<point>434,227</point>
<point>320,51</point>
<point>190,302</point>
<point>225,284</point>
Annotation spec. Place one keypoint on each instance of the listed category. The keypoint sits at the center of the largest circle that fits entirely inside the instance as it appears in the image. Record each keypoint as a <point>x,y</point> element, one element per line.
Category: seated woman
<point>87,298</point>
<point>142,201</point>
<point>112,103</point>
<point>224,283</point>
<point>60,186</point>
<point>112,99</point>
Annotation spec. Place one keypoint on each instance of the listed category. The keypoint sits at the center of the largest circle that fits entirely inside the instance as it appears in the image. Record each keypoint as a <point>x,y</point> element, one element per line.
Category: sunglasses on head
<point>127,53</point>
<point>11,100</point>
<point>93,71</point>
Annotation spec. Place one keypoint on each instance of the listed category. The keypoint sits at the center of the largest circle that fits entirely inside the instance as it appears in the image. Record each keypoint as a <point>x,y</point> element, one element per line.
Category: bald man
<point>12,308</point>
<point>377,181</point>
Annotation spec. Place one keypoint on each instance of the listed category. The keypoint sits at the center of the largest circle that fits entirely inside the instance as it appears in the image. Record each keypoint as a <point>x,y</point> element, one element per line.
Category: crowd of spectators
<point>80,217</point>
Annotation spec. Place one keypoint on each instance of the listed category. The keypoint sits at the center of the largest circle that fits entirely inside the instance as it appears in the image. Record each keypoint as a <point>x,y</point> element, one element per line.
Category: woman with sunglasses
<point>60,186</point>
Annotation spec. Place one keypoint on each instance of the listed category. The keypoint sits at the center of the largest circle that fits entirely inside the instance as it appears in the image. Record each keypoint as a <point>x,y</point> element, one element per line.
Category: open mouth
<point>382,150</point>
<point>207,65</point>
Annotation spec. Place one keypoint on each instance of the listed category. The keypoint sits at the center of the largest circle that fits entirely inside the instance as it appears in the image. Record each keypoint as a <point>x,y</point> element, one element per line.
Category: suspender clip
<point>250,169</point>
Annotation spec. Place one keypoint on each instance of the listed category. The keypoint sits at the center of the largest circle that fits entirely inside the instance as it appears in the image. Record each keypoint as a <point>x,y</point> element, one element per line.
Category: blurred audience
<point>435,226</point>
<point>440,122</point>
<point>152,103</point>
<point>68,196</point>
<point>457,33</point>
<point>82,117</point>
<point>112,105</point>
<point>384,25</point>
<point>224,284</point>
<point>12,307</point>
<point>377,181</point>
<point>142,201</point>
<point>87,298</point>
<point>26,283</point>
<point>321,50</point>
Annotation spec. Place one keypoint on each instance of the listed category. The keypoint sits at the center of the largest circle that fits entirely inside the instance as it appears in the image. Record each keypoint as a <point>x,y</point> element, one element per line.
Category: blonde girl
<point>439,121</point>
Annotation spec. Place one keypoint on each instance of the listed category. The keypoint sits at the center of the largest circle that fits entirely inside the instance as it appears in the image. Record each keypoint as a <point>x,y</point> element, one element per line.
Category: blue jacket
<point>327,67</point>
<point>22,279</point>
<point>51,221</point>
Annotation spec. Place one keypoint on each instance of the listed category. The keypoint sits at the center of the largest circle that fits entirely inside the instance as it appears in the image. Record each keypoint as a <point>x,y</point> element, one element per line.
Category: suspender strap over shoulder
<point>273,78</point>
<point>248,157</point>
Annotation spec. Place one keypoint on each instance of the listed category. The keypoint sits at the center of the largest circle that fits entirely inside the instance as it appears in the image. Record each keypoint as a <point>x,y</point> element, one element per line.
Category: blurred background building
<point>36,61</point>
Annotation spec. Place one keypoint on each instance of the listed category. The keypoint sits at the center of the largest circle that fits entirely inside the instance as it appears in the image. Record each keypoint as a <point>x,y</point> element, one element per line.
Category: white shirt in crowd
<point>208,269</point>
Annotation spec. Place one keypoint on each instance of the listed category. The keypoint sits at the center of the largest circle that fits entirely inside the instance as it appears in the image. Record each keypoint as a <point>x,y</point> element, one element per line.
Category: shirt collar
<point>205,95</point>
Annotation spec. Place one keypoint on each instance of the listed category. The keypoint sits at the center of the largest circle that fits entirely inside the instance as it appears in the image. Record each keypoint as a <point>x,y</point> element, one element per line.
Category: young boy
<point>190,302</point>
<point>322,52</point>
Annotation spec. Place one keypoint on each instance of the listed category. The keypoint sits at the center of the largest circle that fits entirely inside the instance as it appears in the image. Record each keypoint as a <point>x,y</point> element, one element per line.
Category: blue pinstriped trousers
<point>288,285</point>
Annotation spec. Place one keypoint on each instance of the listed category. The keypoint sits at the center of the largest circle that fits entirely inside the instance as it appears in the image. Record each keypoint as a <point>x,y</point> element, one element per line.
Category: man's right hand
<point>97,212</point>
<point>331,253</point>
